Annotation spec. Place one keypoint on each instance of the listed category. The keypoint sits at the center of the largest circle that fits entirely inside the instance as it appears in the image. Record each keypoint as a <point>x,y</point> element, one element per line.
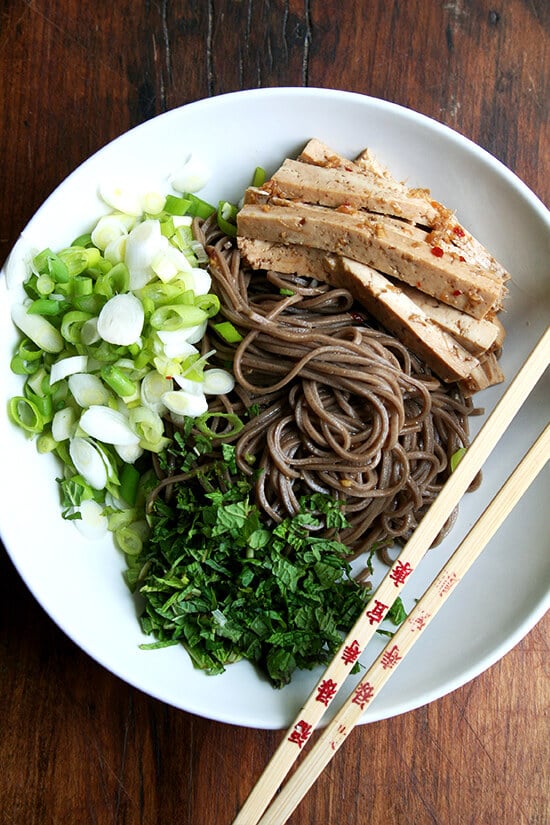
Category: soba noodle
<point>343,408</point>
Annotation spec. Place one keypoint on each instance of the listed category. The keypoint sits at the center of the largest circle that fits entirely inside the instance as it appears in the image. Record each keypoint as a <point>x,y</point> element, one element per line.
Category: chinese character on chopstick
<point>400,572</point>
<point>390,658</point>
<point>446,582</point>
<point>419,621</point>
<point>376,613</point>
<point>326,691</point>
<point>351,652</point>
<point>363,694</point>
<point>301,733</point>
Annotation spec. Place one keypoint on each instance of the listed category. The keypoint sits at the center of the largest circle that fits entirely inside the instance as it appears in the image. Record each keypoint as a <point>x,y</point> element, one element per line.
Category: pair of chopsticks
<point>427,607</point>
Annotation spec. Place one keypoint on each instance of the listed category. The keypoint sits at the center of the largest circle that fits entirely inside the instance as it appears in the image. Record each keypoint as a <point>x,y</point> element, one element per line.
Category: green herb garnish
<point>215,578</point>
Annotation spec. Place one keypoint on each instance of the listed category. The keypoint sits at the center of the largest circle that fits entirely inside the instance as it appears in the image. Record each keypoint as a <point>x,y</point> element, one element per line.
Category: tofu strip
<point>334,187</point>
<point>476,335</point>
<point>402,253</point>
<point>485,375</point>
<point>319,154</point>
<point>395,310</point>
<point>290,259</point>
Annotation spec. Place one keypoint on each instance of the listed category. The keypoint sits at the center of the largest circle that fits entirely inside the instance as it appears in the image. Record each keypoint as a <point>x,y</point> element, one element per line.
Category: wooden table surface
<point>77,745</point>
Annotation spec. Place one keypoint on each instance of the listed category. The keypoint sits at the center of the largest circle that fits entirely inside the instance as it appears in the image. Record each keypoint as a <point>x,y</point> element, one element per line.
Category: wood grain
<point>77,745</point>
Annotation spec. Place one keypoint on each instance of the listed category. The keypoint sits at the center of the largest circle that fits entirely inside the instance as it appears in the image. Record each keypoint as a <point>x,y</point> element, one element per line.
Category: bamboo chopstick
<point>392,584</point>
<point>409,632</point>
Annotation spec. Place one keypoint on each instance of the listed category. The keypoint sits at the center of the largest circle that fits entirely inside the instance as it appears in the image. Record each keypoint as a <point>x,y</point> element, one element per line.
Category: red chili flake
<point>457,292</point>
<point>437,251</point>
<point>458,230</point>
<point>462,258</point>
<point>357,317</point>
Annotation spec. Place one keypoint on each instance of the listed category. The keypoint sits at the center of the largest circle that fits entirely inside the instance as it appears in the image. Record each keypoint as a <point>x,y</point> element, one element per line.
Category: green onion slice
<point>259,176</point>
<point>176,316</point>
<point>25,414</point>
<point>228,332</point>
<point>236,423</point>
<point>226,217</point>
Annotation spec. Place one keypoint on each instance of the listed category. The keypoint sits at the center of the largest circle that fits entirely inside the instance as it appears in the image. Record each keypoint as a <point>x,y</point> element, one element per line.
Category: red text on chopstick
<point>351,652</point>
<point>301,733</point>
<point>390,658</point>
<point>363,694</point>
<point>326,691</point>
<point>418,622</point>
<point>446,582</point>
<point>377,613</point>
<point>400,572</point>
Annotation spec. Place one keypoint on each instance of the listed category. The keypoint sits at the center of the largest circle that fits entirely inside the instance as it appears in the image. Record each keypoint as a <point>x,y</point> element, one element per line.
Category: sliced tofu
<point>319,154</point>
<point>392,247</point>
<point>476,335</point>
<point>446,231</point>
<point>501,333</point>
<point>455,236</point>
<point>388,304</point>
<point>485,375</point>
<point>350,223</point>
<point>335,187</point>
<point>370,165</point>
<point>290,259</point>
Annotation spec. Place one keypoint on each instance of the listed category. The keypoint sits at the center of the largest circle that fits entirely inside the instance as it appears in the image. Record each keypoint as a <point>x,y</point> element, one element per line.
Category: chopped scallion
<point>226,217</point>
<point>176,206</point>
<point>258,178</point>
<point>198,207</point>
<point>44,306</point>
<point>121,319</point>
<point>456,457</point>
<point>129,482</point>
<point>233,419</point>
<point>20,366</point>
<point>177,316</point>
<point>107,425</point>
<point>37,328</point>
<point>68,366</point>
<point>72,323</point>
<point>118,381</point>
<point>228,332</point>
<point>25,414</point>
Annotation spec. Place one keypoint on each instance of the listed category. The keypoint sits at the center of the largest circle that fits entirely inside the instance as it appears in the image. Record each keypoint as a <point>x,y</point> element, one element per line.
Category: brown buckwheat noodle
<point>344,408</point>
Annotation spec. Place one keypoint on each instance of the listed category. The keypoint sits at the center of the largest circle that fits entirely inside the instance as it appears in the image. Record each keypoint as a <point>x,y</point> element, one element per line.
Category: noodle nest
<point>341,406</point>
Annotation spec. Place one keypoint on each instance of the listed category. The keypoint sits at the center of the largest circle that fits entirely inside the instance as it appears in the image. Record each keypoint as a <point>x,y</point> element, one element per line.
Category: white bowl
<point>79,583</point>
